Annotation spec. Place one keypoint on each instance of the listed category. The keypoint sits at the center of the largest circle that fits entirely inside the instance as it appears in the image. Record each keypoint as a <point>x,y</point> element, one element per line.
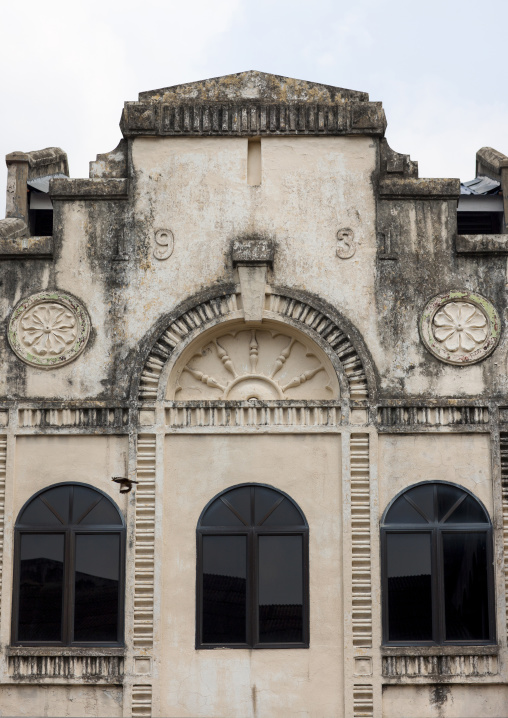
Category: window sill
<point>89,651</point>
<point>481,650</point>
<point>66,663</point>
<point>449,663</point>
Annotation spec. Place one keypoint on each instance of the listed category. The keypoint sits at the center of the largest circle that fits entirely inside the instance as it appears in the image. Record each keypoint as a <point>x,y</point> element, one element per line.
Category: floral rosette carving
<point>460,327</point>
<point>49,329</point>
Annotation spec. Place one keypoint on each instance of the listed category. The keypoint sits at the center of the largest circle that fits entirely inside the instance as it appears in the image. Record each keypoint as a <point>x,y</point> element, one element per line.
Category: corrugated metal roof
<point>480,185</point>
<point>42,183</point>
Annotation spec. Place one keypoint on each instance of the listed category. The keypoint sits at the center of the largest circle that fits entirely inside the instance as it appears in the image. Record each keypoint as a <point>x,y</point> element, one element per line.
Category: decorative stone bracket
<point>252,255</point>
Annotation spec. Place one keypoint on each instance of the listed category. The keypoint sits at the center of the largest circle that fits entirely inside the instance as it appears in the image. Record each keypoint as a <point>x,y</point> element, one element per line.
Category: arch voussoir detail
<point>279,307</point>
<point>201,316</point>
<point>303,313</point>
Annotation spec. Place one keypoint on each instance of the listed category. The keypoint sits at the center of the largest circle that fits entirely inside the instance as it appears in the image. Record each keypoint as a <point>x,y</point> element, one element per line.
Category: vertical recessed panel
<point>96,585</point>
<point>41,587</point>
<point>408,558</point>
<point>254,162</point>
<point>224,589</point>
<point>466,581</point>
<point>280,589</point>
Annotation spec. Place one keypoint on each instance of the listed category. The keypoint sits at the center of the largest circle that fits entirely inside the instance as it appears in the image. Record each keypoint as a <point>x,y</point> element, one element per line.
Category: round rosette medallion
<point>49,329</point>
<point>460,327</point>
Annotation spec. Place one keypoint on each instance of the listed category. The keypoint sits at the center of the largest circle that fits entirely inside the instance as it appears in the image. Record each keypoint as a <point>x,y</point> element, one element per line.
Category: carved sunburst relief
<point>258,363</point>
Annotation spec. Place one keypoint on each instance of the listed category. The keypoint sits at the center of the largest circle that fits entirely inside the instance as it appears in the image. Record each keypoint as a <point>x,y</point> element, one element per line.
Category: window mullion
<point>438,629</point>
<point>70,560</point>
<point>252,589</point>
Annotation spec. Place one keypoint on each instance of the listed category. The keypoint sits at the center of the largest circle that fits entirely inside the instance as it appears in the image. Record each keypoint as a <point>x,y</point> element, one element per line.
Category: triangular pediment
<point>256,86</point>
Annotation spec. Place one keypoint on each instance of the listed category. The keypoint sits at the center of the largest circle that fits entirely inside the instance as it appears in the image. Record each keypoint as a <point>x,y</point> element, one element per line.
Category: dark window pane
<point>403,513</point>
<point>447,496</point>
<point>83,499</point>
<point>469,511</point>
<point>286,514</point>
<point>224,589</point>
<point>264,500</point>
<point>423,496</point>
<point>38,514</point>
<point>58,499</point>
<point>218,514</point>
<point>409,587</point>
<point>479,222</point>
<point>466,581</point>
<point>40,587</point>
<point>42,222</point>
<point>96,587</point>
<point>104,513</point>
<point>280,589</point>
<point>240,500</point>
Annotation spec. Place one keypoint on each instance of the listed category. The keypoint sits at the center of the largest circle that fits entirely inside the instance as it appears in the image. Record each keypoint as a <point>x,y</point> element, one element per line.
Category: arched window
<point>252,584</point>
<point>68,576</point>
<point>437,567</point>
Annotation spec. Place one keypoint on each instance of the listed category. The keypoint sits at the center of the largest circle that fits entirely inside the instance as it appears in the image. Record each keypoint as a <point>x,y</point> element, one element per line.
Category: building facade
<point>254,419</point>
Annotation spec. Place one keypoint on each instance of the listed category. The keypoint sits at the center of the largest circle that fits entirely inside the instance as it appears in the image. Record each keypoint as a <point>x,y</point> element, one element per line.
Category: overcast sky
<point>66,67</point>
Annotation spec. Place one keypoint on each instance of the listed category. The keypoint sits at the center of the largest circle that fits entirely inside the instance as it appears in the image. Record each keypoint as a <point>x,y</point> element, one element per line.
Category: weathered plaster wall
<point>45,460</point>
<point>61,701</point>
<point>444,701</point>
<point>214,683</point>
<point>463,459</point>
<point>310,187</point>
<point>422,236</point>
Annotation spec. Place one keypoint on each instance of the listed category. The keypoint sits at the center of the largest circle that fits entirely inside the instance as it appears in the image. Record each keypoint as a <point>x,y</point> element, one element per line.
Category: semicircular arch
<point>333,334</point>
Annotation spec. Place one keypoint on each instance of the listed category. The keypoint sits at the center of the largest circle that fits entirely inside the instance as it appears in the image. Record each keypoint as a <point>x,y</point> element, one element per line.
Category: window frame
<point>252,534</point>
<point>438,604</point>
<point>69,531</point>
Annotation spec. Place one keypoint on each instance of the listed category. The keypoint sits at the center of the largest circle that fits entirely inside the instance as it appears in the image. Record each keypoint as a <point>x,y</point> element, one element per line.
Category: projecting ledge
<point>92,189</point>
<point>422,188</point>
<point>26,248</point>
<point>481,244</point>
